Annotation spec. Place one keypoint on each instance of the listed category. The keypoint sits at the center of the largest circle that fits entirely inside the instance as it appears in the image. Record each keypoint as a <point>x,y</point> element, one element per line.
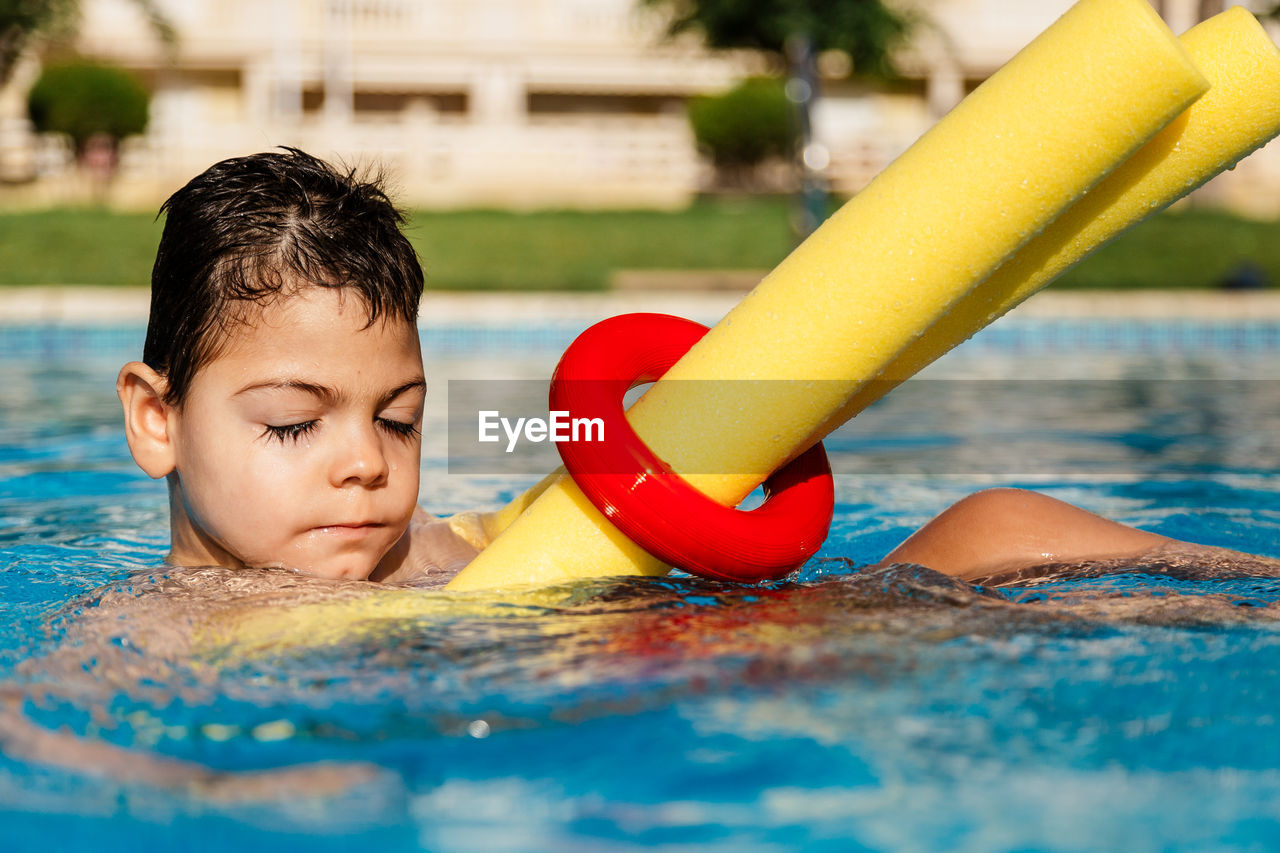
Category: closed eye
<point>399,428</point>
<point>292,432</point>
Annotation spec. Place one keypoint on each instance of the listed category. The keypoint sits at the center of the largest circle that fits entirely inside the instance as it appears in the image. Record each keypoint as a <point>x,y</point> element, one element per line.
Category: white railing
<point>617,161</point>
<point>470,23</point>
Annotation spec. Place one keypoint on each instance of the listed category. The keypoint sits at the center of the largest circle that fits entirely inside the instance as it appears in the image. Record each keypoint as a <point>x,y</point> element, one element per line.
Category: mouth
<point>350,530</point>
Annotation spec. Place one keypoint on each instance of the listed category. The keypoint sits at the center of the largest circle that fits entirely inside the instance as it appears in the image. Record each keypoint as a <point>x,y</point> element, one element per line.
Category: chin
<point>345,569</point>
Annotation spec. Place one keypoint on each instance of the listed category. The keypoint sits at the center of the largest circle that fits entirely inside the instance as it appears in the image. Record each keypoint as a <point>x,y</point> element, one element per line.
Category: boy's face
<point>300,445</point>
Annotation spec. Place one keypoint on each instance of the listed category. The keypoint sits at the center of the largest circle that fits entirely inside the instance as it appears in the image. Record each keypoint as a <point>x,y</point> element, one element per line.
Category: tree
<point>866,30</point>
<point>95,104</point>
<point>746,125</point>
<point>19,21</point>
<point>796,31</point>
<point>22,21</point>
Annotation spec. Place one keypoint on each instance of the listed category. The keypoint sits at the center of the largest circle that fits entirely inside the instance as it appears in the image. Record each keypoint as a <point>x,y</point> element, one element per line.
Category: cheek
<point>406,468</point>
<point>405,455</point>
<point>235,488</point>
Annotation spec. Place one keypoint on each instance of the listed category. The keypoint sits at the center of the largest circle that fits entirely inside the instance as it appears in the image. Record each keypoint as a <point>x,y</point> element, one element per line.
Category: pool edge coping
<point>113,306</point>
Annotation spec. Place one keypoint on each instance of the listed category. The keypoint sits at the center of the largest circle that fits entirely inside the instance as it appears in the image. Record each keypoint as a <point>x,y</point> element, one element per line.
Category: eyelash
<point>296,432</point>
<point>398,428</point>
<point>299,431</point>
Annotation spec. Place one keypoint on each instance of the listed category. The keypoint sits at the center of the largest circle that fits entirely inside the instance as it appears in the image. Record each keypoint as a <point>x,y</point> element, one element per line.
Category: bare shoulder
<point>435,549</point>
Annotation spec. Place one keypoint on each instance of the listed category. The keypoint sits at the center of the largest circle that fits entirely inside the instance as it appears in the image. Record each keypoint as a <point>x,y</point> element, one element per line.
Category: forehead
<point>317,324</point>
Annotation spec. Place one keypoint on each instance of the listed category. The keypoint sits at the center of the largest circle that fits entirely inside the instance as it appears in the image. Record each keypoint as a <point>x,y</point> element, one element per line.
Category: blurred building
<point>504,102</point>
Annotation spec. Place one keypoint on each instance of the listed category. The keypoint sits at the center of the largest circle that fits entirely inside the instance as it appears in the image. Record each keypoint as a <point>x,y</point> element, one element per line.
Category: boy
<point>281,390</point>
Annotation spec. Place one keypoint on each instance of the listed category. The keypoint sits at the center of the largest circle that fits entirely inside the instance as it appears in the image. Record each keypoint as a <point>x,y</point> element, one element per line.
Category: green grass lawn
<point>569,250</point>
<point>577,250</point>
<point>1191,249</point>
<point>76,246</point>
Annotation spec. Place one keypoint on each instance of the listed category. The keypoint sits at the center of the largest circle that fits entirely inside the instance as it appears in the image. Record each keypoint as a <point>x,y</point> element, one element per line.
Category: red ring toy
<point>650,503</point>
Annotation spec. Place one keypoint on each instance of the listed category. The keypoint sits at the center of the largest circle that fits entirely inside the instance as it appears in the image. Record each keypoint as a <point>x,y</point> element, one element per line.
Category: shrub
<point>82,99</point>
<point>745,126</point>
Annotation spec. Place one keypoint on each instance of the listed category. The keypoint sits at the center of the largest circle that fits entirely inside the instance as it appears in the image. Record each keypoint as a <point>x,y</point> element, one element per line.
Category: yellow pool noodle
<point>248,632</point>
<point>1238,115</point>
<point>1071,106</point>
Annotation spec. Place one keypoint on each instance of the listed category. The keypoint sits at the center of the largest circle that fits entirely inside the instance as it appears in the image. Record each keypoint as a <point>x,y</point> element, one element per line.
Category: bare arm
<point>23,740</point>
<point>999,530</point>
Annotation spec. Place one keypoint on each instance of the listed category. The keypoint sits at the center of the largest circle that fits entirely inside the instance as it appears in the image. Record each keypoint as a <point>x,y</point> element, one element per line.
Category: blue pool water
<point>843,709</point>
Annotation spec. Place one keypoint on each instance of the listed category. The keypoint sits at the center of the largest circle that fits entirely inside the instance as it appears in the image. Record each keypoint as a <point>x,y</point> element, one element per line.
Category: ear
<point>146,418</point>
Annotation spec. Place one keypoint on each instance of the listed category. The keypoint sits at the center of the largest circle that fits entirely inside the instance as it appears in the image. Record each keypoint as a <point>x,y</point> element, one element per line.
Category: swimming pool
<point>842,710</point>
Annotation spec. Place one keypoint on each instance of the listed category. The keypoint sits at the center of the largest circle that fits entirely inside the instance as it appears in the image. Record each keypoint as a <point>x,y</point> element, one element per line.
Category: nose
<point>359,459</point>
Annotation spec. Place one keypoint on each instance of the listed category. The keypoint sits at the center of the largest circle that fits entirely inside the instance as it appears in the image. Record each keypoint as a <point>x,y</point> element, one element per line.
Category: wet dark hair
<point>252,229</point>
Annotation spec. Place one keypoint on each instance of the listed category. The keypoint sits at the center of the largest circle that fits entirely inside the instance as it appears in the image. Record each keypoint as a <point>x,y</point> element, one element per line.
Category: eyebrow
<point>324,392</point>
